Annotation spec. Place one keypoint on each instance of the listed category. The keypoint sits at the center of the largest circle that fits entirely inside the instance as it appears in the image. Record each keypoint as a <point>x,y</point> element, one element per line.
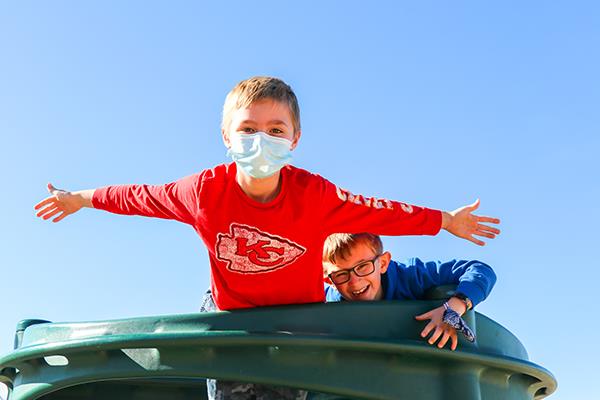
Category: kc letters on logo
<point>248,250</point>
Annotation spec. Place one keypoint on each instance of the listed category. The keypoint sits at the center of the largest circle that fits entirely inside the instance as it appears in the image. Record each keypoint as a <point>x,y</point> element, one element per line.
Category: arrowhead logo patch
<point>248,250</point>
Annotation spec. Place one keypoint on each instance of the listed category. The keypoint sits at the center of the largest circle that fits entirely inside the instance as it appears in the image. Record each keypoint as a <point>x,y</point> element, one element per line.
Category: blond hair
<point>258,88</point>
<point>340,245</point>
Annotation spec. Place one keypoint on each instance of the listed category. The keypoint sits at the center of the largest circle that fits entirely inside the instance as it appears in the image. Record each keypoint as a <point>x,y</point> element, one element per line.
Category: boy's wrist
<point>84,197</point>
<point>466,300</point>
<point>457,305</point>
<point>446,218</point>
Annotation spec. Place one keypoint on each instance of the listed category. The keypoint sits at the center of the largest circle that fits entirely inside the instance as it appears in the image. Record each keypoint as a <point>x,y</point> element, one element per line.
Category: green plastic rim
<point>353,350</point>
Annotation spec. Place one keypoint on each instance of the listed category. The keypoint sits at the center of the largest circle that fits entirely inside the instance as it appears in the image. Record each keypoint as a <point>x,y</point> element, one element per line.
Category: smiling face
<point>266,115</point>
<point>360,288</point>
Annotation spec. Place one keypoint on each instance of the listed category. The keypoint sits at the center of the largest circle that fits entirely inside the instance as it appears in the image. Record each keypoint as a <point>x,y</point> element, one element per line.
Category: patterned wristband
<point>454,320</point>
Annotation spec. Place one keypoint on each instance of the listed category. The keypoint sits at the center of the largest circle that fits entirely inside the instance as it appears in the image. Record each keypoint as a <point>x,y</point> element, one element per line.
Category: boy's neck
<point>262,190</point>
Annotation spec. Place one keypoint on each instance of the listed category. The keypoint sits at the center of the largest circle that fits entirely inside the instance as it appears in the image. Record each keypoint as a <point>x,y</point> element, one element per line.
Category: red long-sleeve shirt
<point>266,253</point>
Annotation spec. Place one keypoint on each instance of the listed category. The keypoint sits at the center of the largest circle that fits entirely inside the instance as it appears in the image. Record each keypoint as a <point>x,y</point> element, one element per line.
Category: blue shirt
<point>410,281</point>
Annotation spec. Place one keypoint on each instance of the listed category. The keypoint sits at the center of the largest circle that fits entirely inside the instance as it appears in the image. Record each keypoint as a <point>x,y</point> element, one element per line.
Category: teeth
<point>357,292</point>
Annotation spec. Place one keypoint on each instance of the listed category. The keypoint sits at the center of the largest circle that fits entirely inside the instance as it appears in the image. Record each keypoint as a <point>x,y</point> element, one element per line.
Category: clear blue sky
<point>433,103</point>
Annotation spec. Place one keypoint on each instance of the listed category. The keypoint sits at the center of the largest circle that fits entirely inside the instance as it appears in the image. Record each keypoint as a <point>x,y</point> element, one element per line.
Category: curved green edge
<point>338,339</point>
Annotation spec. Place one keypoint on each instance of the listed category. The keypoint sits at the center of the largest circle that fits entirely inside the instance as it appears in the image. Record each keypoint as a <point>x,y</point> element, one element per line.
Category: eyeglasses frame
<point>353,269</point>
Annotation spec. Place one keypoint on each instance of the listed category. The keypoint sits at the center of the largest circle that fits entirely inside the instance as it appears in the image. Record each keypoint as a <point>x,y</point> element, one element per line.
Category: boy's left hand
<point>462,223</point>
<point>436,324</point>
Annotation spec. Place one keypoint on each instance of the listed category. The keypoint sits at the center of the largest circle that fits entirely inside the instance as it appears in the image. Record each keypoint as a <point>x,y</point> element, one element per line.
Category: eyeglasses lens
<point>363,269</point>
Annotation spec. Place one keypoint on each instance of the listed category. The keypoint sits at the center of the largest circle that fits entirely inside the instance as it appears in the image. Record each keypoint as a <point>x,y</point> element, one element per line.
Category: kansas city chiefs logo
<point>250,251</point>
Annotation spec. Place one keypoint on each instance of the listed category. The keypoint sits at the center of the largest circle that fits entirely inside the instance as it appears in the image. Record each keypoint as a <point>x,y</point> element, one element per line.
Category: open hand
<point>462,223</point>
<point>439,328</point>
<point>60,204</point>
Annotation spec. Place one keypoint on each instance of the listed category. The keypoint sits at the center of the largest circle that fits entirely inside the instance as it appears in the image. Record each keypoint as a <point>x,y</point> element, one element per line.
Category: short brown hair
<point>257,88</point>
<point>340,245</point>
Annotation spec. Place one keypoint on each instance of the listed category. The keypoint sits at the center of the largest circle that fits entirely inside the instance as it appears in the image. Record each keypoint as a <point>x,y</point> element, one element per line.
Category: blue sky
<point>432,103</point>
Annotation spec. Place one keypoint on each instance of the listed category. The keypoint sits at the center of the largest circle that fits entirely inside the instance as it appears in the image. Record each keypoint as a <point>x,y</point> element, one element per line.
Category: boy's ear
<point>296,139</point>
<point>385,259</point>
<point>225,137</point>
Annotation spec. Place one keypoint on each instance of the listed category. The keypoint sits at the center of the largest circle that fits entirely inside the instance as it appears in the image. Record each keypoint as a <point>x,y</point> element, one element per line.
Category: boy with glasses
<point>360,270</point>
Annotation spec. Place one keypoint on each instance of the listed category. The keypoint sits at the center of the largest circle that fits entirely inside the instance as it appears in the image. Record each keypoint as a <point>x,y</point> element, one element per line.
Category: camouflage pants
<point>226,390</point>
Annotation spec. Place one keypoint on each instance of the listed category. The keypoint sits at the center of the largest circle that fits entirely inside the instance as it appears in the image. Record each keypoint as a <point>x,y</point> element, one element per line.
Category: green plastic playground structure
<point>342,351</point>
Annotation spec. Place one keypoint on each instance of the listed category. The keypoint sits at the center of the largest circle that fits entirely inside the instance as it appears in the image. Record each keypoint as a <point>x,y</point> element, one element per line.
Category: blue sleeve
<point>474,278</point>
<point>332,294</point>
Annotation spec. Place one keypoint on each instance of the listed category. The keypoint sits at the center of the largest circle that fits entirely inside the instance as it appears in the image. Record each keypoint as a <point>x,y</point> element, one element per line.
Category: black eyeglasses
<point>363,269</point>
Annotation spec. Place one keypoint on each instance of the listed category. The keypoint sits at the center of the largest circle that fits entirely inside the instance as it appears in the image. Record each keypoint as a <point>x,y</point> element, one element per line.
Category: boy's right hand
<point>440,330</point>
<point>62,203</point>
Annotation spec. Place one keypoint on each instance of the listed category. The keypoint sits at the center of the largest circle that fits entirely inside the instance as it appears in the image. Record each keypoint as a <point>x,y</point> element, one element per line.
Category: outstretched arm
<point>462,223</point>
<point>176,200</point>
<point>342,211</point>
<point>61,203</point>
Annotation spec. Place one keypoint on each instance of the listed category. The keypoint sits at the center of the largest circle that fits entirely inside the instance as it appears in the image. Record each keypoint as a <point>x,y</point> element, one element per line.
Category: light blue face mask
<point>259,154</point>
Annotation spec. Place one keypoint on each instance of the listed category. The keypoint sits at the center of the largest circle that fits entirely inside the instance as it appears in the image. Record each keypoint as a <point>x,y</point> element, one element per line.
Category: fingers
<point>46,210</point>
<point>490,229</point>
<point>474,240</point>
<point>421,317</point>
<point>486,231</point>
<point>444,338</point>
<point>436,335</point>
<point>446,333</point>
<point>428,328</point>
<point>484,234</point>
<point>60,217</point>
<point>44,202</point>
<point>454,338</point>
<point>491,220</point>
<point>51,214</point>
<point>440,331</point>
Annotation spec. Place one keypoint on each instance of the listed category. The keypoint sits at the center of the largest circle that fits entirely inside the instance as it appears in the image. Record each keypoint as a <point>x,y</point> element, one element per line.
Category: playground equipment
<point>366,350</point>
